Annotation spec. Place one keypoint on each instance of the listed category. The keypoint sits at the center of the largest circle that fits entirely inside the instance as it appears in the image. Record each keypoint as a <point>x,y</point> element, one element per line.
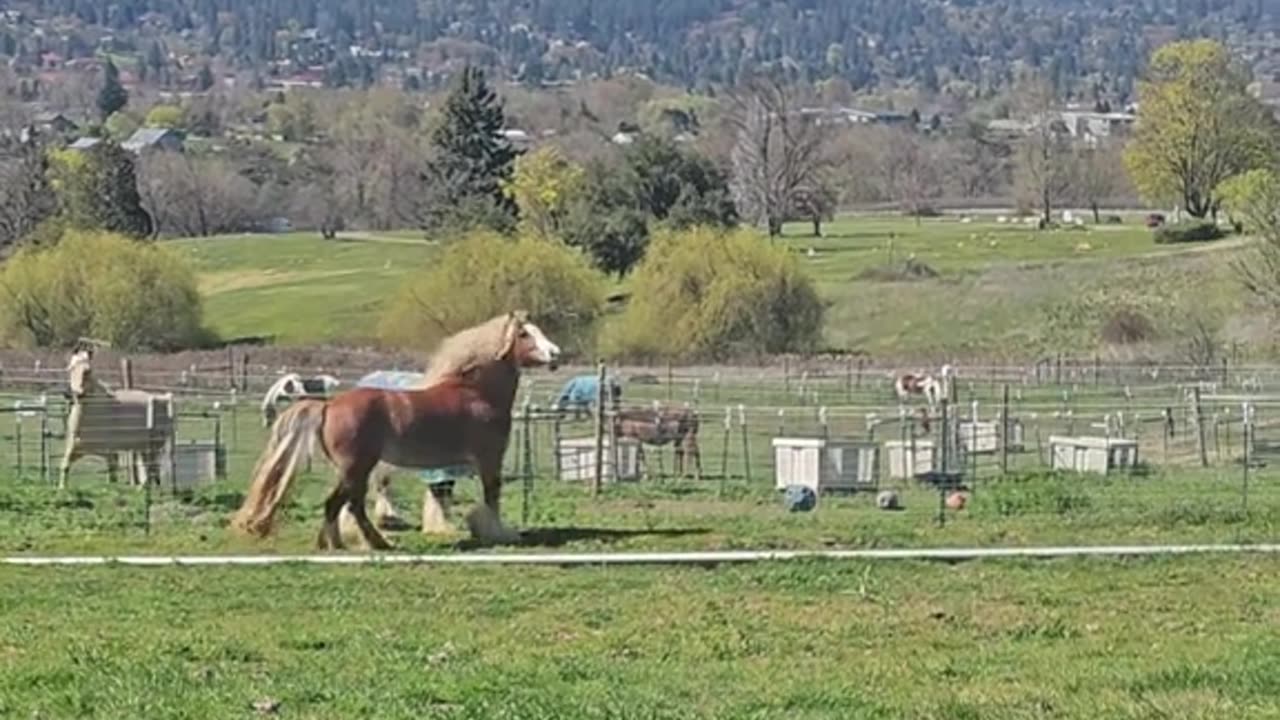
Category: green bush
<point>1197,231</point>
<point>713,294</point>
<point>485,274</point>
<point>134,295</point>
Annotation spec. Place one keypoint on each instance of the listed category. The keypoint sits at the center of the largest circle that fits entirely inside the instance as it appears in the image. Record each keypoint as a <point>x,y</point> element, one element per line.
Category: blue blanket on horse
<point>395,380</point>
<point>580,393</point>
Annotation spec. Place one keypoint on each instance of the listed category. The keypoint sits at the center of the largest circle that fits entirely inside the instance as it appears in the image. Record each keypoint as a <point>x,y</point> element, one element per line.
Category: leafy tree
<point>483,274</point>
<point>120,126</point>
<point>543,186</point>
<point>472,159</point>
<point>136,296</point>
<point>112,97</point>
<point>676,185</point>
<point>705,293</point>
<point>1198,127</point>
<point>98,190</point>
<point>165,116</point>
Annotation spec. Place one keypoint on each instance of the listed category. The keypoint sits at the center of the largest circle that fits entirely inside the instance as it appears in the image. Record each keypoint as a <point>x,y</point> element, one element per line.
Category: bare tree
<point>1042,171</point>
<point>910,170</point>
<point>777,154</point>
<point>188,196</point>
<point>26,198</point>
<point>1097,174</point>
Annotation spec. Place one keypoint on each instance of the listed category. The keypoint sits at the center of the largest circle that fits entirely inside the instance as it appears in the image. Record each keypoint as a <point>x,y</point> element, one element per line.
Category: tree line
<point>1088,48</point>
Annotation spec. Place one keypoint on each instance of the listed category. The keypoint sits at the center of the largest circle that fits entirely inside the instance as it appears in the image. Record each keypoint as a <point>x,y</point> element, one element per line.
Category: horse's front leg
<point>485,521</point>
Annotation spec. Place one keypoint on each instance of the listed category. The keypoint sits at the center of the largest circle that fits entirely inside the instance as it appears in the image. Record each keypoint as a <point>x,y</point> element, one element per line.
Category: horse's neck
<point>497,382</point>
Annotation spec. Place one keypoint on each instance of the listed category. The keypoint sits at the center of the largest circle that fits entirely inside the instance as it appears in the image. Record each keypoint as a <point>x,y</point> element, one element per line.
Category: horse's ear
<point>510,331</point>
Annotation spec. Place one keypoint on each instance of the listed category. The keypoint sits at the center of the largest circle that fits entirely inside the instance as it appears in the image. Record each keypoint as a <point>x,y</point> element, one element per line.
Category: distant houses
<point>142,140</point>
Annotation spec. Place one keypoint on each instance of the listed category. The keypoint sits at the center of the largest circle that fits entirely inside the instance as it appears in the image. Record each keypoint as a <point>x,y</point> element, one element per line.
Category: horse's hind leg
<point>436,500</point>
<point>355,483</point>
<point>385,515</point>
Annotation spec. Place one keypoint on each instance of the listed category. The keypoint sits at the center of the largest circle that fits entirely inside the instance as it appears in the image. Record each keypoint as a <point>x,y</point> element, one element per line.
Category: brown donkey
<point>461,415</point>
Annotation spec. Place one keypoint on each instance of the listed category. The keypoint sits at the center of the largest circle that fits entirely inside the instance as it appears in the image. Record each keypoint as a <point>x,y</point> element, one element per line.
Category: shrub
<point>485,274</point>
<point>1199,231</point>
<point>712,294</point>
<point>133,295</point>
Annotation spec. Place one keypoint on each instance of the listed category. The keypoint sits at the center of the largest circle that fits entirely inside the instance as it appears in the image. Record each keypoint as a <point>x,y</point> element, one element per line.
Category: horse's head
<point>80,373</point>
<point>526,345</point>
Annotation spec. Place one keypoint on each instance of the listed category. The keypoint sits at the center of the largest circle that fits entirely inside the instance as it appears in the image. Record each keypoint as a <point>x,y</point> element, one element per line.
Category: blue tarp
<point>395,380</point>
<point>581,392</point>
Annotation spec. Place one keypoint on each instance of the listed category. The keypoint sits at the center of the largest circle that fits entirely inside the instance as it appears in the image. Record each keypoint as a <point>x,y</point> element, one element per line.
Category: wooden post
<point>126,373</point>
<point>126,381</point>
<point>1204,449</point>
<point>597,478</point>
<point>244,372</point>
<point>746,447</point>
<point>669,381</point>
<point>848,378</point>
<point>1004,432</point>
<point>1247,412</point>
<point>724,449</point>
<point>555,440</point>
<point>231,367</point>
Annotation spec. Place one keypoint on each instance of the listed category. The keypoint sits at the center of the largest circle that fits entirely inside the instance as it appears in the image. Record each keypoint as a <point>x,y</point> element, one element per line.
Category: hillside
<point>1000,291</point>
<point>1090,48</point>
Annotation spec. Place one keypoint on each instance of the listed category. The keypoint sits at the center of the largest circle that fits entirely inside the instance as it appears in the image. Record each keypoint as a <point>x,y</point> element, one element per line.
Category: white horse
<point>934,389</point>
<point>293,386</point>
<point>106,422</point>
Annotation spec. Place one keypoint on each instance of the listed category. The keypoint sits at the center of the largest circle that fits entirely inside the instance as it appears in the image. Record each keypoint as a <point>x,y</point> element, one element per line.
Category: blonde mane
<point>471,348</point>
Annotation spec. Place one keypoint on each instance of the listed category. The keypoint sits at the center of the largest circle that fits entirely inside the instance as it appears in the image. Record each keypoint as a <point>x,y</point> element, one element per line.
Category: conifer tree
<point>112,97</point>
<point>473,161</point>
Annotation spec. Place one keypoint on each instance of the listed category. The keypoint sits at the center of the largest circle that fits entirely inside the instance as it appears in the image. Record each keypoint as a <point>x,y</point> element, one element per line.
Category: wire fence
<point>1209,437</point>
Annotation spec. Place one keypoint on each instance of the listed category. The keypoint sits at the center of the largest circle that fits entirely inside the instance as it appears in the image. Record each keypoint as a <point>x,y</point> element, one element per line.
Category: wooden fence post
<point>1204,450</point>
<point>597,478</point>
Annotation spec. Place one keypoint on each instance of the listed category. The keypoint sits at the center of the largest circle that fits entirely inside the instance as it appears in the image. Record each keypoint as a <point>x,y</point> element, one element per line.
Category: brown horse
<point>461,415</point>
<point>661,426</point>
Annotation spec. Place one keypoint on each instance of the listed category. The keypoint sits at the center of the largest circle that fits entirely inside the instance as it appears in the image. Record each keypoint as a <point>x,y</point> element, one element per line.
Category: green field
<point>1172,638</point>
<point>996,288</point>
<point>1186,638</point>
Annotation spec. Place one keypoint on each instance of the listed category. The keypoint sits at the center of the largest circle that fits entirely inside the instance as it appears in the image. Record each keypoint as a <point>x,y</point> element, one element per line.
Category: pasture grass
<point>1157,638</point>
<point>996,284</point>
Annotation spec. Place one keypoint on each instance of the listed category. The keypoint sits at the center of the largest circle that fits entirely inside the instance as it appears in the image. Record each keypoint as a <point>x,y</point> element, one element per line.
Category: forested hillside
<point>967,47</point>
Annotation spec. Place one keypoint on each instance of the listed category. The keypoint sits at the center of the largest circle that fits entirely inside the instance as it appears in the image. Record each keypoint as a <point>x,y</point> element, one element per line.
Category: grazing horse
<point>462,414</point>
<point>107,422</point>
<point>662,426</point>
<point>294,386</point>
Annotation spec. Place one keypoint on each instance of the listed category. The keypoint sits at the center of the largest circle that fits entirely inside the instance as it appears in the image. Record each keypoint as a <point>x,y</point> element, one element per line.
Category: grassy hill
<point>896,287</point>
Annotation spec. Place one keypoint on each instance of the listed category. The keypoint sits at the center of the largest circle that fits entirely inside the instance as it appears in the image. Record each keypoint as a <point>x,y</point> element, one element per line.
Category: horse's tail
<point>293,438</point>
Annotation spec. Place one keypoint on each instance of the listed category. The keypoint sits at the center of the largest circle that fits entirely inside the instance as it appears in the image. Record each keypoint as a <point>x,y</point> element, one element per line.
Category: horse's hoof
<point>392,524</point>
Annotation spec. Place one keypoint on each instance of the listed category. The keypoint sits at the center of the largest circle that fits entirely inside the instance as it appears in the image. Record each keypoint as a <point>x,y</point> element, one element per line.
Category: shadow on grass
<point>559,537</point>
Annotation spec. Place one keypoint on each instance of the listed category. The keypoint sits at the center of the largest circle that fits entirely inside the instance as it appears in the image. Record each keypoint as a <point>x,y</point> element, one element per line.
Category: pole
<point>527,471</point>
<point>1004,432</point>
<point>1248,437</point>
<point>746,448</point>
<point>597,479</point>
<point>1204,450</point>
